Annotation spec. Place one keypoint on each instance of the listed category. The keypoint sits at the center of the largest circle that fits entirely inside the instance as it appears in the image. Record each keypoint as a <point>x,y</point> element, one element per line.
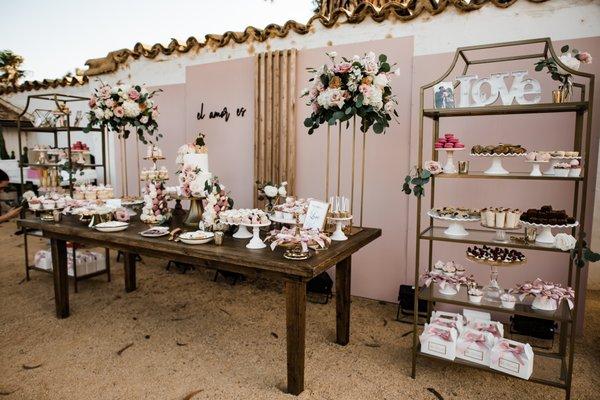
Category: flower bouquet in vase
<point>271,193</point>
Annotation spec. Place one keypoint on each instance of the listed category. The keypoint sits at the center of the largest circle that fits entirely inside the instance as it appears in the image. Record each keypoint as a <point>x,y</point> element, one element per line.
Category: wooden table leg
<point>61,280</point>
<point>295,292</point>
<point>342,300</point>
<point>129,264</point>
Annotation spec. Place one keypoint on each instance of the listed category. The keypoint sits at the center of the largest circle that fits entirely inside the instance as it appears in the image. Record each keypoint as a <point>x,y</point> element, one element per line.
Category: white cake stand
<point>535,169</point>
<point>284,221</point>
<point>449,167</point>
<point>339,235</point>
<point>455,228</point>
<point>501,232</point>
<point>496,167</point>
<point>256,242</point>
<point>242,232</point>
<point>546,236</point>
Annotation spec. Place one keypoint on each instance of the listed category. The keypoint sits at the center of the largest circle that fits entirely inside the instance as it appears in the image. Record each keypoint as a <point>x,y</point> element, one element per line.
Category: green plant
<point>587,255</point>
<point>9,67</point>
<point>552,66</point>
<point>418,178</point>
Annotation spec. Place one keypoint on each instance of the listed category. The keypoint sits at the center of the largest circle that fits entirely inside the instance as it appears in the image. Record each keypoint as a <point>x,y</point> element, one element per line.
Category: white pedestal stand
<point>242,233</point>
<point>449,167</point>
<point>256,242</point>
<point>545,236</point>
<point>535,167</point>
<point>339,235</point>
<point>496,167</point>
<point>456,229</point>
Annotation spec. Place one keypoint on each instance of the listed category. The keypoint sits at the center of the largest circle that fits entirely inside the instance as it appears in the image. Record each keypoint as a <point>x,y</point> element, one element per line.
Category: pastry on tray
<point>546,215</point>
<point>456,212</point>
<point>495,254</point>
<point>448,142</point>
<point>498,149</point>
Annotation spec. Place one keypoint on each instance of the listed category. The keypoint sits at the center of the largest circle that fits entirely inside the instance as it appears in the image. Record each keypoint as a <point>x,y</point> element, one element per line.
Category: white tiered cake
<point>194,170</point>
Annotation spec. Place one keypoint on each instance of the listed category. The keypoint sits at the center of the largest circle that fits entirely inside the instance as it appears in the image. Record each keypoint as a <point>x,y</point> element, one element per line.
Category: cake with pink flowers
<point>194,173</point>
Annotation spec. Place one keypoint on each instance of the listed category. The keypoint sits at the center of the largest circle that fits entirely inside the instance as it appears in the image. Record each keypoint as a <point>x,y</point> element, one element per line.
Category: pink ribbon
<point>477,338</point>
<point>485,327</point>
<point>444,322</point>
<point>505,347</point>
<point>441,333</point>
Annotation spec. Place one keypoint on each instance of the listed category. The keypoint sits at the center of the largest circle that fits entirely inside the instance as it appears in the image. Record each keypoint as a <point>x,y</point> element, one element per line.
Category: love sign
<point>476,92</point>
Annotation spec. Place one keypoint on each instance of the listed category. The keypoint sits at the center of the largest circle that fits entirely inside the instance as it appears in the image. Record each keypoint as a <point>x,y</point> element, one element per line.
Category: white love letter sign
<point>475,92</point>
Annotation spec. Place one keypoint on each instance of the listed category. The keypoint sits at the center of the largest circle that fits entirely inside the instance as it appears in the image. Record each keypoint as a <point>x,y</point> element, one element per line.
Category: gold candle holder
<point>463,167</point>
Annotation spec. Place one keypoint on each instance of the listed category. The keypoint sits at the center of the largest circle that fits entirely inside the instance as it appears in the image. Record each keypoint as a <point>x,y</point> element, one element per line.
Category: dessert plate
<point>157,231</point>
<point>197,237</point>
<point>112,226</point>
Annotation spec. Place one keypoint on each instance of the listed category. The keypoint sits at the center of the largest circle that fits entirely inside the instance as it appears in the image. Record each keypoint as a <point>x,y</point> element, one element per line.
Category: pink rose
<point>104,92</point>
<point>133,94</point>
<point>584,57</point>
<point>342,67</point>
<point>364,89</point>
<point>433,167</point>
<point>92,102</point>
<point>110,103</point>
<point>119,112</point>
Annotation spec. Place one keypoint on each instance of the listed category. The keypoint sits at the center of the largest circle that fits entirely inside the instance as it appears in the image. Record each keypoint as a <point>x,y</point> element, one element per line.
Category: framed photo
<point>316,215</point>
<point>443,95</point>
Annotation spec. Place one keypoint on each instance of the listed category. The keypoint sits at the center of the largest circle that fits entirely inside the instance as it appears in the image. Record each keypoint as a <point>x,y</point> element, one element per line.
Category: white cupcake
<point>512,218</point>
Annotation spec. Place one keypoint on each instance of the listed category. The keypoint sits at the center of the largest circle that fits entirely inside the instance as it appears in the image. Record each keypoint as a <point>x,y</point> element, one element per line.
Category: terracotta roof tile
<point>403,10</point>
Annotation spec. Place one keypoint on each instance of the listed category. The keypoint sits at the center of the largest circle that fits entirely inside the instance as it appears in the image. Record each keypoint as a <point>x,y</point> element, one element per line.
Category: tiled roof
<point>403,10</point>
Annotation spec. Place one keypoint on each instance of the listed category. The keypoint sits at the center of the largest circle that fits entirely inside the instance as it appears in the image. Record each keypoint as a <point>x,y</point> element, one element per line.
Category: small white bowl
<point>562,172</point>
<point>574,172</point>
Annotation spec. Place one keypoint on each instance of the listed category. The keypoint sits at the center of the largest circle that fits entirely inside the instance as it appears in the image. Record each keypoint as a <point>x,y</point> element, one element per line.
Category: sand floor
<point>192,335</point>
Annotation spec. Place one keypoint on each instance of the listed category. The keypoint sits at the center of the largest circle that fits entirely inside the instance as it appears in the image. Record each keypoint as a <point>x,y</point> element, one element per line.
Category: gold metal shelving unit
<point>55,99</point>
<point>566,319</point>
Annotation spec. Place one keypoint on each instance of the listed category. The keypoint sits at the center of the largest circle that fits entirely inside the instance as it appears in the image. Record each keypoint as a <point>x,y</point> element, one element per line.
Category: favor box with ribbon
<point>439,340</point>
<point>87,261</point>
<point>513,358</point>
<point>494,327</point>
<point>475,346</point>
<point>448,319</point>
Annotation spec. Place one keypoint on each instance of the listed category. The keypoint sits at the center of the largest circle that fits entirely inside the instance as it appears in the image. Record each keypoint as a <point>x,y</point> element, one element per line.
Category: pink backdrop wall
<point>386,263</point>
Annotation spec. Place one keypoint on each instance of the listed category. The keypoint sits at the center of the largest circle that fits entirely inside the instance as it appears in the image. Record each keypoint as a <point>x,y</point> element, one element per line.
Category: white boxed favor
<point>471,315</point>
<point>513,358</point>
<point>439,341</point>
<point>448,319</point>
<point>87,261</point>
<point>494,327</point>
<point>475,346</point>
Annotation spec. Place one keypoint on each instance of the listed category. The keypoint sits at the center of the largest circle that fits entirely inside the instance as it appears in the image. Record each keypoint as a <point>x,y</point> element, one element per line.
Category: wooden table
<point>232,256</point>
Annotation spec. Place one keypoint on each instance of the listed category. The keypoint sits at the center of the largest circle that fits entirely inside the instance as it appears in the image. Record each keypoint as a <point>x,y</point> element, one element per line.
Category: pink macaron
<point>449,146</point>
<point>438,145</point>
<point>459,145</point>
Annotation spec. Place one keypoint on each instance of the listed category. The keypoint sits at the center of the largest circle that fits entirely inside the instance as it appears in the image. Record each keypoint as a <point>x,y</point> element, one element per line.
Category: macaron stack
<point>448,142</point>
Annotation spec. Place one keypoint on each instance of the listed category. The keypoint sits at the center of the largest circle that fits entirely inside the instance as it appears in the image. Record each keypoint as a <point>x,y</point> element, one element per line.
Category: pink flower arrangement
<point>584,57</point>
<point>360,86</point>
<point>124,107</point>
<point>547,291</point>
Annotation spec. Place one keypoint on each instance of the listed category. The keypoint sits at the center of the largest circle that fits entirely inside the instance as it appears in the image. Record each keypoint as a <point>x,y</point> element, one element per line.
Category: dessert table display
<point>552,368</point>
<point>233,256</point>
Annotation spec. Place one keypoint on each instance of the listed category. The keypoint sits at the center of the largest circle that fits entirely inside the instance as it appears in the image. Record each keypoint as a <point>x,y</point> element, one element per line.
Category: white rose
<point>570,61</point>
<point>282,191</point>
<point>564,241</point>
<point>99,113</point>
<point>108,113</point>
<point>371,67</point>
<point>375,98</point>
<point>270,191</point>
<point>381,80</point>
<point>144,119</point>
<point>131,108</point>
<point>197,187</point>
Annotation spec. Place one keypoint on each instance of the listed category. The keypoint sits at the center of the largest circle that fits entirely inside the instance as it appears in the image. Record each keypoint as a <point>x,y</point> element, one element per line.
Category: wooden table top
<point>232,252</point>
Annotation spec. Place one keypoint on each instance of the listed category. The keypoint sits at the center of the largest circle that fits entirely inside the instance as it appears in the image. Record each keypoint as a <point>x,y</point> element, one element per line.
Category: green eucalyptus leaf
<point>564,49</point>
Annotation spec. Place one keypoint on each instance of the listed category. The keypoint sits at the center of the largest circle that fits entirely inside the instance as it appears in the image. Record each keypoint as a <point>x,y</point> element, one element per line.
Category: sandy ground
<point>191,335</point>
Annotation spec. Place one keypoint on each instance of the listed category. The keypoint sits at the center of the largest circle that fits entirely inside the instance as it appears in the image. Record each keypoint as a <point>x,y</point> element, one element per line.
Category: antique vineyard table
<point>231,256</point>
